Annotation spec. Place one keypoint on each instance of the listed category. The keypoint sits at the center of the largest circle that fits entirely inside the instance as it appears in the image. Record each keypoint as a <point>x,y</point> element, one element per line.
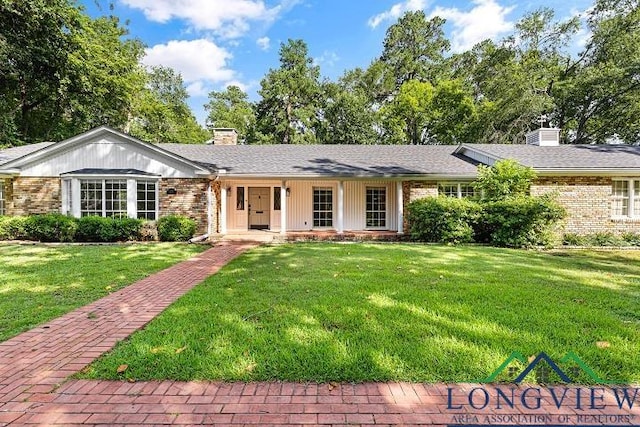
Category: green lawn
<point>40,283</point>
<point>363,312</point>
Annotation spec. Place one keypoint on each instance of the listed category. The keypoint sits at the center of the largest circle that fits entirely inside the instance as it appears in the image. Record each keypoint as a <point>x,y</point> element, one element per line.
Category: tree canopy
<point>62,72</point>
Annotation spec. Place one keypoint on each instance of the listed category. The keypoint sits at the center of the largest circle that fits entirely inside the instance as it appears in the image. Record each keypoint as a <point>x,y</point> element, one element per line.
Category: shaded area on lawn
<point>39,283</point>
<point>341,312</point>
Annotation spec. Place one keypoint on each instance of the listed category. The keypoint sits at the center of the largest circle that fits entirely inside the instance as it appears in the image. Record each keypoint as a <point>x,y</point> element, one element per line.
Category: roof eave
<point>587,171</point>
<point>391,177</point>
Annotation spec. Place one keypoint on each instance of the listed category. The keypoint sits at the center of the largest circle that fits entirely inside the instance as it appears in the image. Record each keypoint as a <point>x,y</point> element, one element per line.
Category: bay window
<point>114,197</point>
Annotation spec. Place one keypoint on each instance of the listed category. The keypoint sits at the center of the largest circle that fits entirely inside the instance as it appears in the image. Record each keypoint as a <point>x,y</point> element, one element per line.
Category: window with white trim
<point>376,207</point>
<point>625,198</point>
<point>277,198</point>
<point>146,200</point>
<point>91,197</point>
<point>456,189</point>
<point>115,191</point>
<point>322,207</point>
<point>2,197</point>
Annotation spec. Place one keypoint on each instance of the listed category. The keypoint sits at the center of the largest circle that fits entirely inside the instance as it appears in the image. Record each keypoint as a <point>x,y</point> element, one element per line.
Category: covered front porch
<point>298,209</point>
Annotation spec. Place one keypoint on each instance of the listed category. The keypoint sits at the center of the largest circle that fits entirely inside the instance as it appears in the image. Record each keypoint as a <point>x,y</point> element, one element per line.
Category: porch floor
<point>297,236</point>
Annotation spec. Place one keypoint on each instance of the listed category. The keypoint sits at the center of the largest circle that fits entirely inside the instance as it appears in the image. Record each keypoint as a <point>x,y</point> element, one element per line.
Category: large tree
<point>425,114</point>
<point>231,109</point>
<point>513,81</point>
<point>288,112</point>
<point>599,95</point>
<point>159,111</point>
<point>414,49</point>
<point>61,71</point>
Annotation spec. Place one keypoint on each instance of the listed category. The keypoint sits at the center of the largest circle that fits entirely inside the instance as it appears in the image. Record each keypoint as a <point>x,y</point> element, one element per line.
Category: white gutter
<point>348,177</point>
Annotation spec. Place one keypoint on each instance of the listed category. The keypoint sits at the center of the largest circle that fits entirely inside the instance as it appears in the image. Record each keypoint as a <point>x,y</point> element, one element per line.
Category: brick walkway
<point>34,389</point>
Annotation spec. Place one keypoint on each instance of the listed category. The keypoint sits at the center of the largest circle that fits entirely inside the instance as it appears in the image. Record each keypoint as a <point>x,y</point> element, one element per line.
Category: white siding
<point>111,153</point>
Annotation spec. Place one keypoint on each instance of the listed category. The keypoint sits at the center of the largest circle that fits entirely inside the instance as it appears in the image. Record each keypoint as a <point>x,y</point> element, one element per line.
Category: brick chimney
<point>225,136</point>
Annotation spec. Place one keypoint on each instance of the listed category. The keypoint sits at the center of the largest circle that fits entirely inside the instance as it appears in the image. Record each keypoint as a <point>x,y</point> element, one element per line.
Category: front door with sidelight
<point>259,208</point>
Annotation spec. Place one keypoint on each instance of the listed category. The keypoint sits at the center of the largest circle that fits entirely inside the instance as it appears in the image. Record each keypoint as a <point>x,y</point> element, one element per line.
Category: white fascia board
<point>587,172</point>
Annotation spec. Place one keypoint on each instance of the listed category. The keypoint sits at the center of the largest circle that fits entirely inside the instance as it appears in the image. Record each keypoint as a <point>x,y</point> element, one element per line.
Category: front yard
<point>40,283</point>
<point>363,312</point>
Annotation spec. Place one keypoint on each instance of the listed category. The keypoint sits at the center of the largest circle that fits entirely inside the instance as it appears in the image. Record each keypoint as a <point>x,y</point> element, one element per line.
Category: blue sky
<point>214,43</point>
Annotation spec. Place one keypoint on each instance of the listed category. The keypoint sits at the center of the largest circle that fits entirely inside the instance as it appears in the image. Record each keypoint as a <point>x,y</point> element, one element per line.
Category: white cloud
<point>263,43</point>
<point>396,11</point>
<point>327,58</point>
<point>487,20</point>
<point>200,62</point>
<point>224,17</point>
<point>199,59</point>
<point>197,89</point>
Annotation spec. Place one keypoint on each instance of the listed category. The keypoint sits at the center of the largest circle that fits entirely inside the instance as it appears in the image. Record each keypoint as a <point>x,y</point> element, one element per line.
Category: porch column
<point>400,208</point>
<point>283,208</point>
<point>223,209</point>
<point>209,207</point>
<point>340,207</point>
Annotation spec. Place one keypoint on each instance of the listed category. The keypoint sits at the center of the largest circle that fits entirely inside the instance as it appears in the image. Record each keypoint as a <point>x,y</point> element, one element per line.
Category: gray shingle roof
<point>565,157</point>
<point>327,160</point>
<point>16,152</point>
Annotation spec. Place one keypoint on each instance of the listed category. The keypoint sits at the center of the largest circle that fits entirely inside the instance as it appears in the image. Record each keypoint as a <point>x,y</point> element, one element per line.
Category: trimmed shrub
<point>520,221</point>
<point>605,238</point>
<point>632,239</point>
<point>574,239</point>
<point>602,238</point>
<point>51,228</point>
<point>13,227</point>
<point>176,228</point>
<point>149,231</point>
<point>443,219</point>
<point>99,229</point>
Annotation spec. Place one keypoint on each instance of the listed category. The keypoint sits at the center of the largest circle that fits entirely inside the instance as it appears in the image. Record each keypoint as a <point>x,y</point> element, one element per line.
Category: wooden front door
<point>259,208</point>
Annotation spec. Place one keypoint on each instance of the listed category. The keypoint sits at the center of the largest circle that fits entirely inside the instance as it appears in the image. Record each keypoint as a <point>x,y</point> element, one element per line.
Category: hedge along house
<point>285,189</point>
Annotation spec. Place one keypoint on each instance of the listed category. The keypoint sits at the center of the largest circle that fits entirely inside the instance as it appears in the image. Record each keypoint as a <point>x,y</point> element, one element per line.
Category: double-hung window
<point>376,207</point>
<point>625,198</point>
<point>323,207</point>
<point>91,197</point>
<point>146,199</point>
<point>456,189</point>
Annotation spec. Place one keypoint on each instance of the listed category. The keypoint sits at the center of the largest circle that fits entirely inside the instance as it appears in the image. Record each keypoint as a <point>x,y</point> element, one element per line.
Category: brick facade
<point>190,199</point>
<point>588,203</point>
<point>414,190</point>
<point>29,195</point>
<point>586,199</point>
